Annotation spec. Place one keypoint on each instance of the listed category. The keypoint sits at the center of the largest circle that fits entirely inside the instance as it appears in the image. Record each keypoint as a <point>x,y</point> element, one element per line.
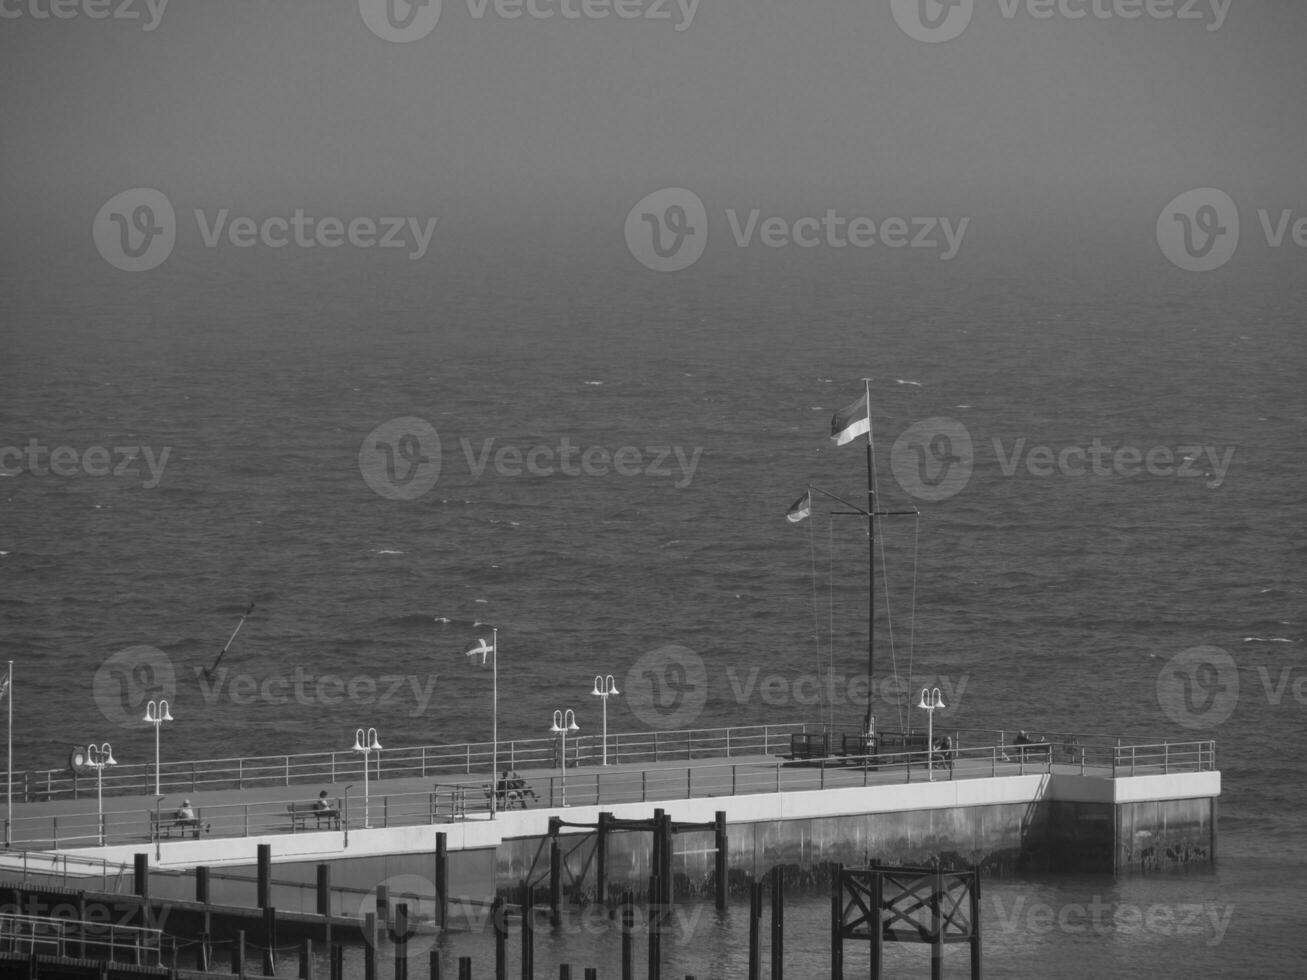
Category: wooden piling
<point>370,946</point>
<point>465,968</point>
<point>337,961</point>
<point>499,916</point>
<point>264,886</point>
<point>306,959</point>
<point>528,932</point>
<point>601,856</point>
<point>270,940</point>
<point>555,881</point>
<point>777,923</point>
<point>719,832</point>
<point>837,922</point>
<point>628,939</point>
<point>400,936</point>
<point>755,930</point>
<point>442,878</point>
<point>324,889</point>
<point>202,884</point>
<point>238,954</point>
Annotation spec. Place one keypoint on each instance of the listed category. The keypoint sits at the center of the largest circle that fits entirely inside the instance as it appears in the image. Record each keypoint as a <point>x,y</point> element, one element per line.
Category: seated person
<point>944,752</point>
<point>185,817</point>
<point>322,807</point>
<point>516,782</point>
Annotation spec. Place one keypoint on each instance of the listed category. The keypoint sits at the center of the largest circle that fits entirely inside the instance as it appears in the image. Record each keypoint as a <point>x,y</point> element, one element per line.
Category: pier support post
<point>306,959</point>
<point>270,939</point>
<point>202,884</point>
<point>383,909</point>
<point>324,889</point>
<point>877,927</point>
<point>465,968</point>
<point>264,886</point>
<point>370,946</point>
<point>528,931</point>
<point>555,880</point>
<point>433,967</point>
<point>337,961</point>
<point>442,878</point>
<point>655,929</point>
<point>837,922</point>
<point>628,939</point>
<point>601,856</point>
<point>974,942</point>
<point>499,915</point>
<point>777,923</point>
<point>238,954</point>
<point>755,931</point>
<point>141,886</point>
<point>719,831</point>
<point>401,941</point>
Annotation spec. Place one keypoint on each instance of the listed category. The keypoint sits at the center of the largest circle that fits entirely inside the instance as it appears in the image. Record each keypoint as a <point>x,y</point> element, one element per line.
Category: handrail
<point>449,802</point>
<point>467,758</point>
<point>65,937</point>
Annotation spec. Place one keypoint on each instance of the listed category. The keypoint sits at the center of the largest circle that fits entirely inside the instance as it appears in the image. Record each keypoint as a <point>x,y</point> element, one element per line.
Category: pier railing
<point>452,800</point>
<point>422,761</point>
<point>42,935</point>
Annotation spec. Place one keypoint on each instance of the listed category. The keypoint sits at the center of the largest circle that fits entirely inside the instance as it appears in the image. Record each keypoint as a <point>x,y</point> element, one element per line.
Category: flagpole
<point>494,724</point>
<point>9,751</point>
<point>869,723</point>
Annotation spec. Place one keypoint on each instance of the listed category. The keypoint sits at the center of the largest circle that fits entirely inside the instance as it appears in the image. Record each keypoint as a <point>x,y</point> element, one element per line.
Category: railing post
<point>287,758</point>
<point>765,743</point>
<point>240,773</point>
<point>1166,758</point>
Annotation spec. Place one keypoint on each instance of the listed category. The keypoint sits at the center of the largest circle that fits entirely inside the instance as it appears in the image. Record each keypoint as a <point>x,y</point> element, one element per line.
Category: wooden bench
<point>300,813</point>
<point>163,824</point>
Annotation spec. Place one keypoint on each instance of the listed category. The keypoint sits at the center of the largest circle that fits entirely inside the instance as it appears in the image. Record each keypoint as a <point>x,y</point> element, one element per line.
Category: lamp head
<point>358,741</point>
<point>167,715</point>
<point>373,744</point>
<point>599,687</point>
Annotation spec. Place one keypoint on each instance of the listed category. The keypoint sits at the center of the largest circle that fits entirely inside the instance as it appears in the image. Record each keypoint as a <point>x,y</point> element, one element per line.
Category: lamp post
<point>604,686</point>
<point>366,742</point>
<point>564,722</point>
<point>97,757</point>
<point>930,700</point>
<point>156,713</point>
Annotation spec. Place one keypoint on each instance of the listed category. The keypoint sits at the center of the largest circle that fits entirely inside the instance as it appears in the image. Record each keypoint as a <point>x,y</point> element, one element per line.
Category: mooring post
<point>465,968</point>
<point>141,886</point>
<point>837,922</point>
<point>270,938</point>
<point>719,829</point>
<point>324,889</point>
<point>264,859</point>
<point>442,878</point>
<point>401,941</point>
<point>564,971</point>
<point>202,884</point>
<point>433,966</point>
<point>654,928</point>
<point>238,954</point>
<point>777,923</point>
<point>528,931</point>
<point>306,959</point>
<point>499,915</point>
<point>555,882</point>
<point>601,856</point>
<point>665,852</point>
<point>202,953</point>
<point>755,930</point>
<point>936,929</point>
<point>337,961</point>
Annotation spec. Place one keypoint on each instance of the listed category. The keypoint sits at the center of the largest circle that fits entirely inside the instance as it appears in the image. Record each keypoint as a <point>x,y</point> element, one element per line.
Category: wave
<point>1267,639</point>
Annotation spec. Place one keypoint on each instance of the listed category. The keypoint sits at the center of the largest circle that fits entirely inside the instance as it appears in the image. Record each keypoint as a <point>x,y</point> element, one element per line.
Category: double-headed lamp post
<point>366,742</point>
<point>156,713</point>
<point>564,722</point>
<point>97,757</point>
<point>605,685</point>
<point>930,700</point>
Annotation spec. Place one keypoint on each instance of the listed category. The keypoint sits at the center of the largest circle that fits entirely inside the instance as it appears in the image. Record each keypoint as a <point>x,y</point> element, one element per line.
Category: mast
<point>869,723</point>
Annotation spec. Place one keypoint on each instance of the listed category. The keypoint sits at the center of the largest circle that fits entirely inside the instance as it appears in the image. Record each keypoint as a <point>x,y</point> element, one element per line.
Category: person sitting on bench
<point>516,782</point>
<point>322,808</point>
<point>185,818</point>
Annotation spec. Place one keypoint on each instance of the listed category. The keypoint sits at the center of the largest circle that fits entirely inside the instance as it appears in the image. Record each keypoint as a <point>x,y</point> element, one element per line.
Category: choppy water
<point>1048,601</point>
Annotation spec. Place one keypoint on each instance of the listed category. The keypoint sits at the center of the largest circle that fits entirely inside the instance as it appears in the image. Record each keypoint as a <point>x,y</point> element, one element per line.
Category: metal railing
<point>417,761</point>
<point>449,802</point>
<point>41,935</point>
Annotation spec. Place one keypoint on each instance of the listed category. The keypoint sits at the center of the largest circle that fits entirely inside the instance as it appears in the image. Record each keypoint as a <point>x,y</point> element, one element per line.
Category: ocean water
<point>1051,601</point>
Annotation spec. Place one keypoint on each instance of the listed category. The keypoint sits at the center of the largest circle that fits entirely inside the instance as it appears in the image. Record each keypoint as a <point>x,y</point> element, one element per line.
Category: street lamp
<point>930,700</point>
<point>156,713</point>
<point>366,742</point>
<point>97,757</point>
<point>564,723</point>
<point>604,686</point>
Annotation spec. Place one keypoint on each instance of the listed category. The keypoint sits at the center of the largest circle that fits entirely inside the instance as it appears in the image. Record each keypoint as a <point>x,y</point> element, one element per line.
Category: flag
<point>4,686</point>
<point>849,423</point>
<point>480,646</point>
<point>800,509</point>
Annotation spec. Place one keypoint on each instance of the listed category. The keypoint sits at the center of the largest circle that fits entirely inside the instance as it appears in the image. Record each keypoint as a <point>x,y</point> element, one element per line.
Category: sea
<point>596,460</point>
